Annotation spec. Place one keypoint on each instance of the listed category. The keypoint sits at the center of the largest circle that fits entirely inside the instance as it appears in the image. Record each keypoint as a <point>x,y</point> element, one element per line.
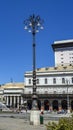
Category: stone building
<point>12,94</point>
<point>54,84</point>
<point>1,94</point>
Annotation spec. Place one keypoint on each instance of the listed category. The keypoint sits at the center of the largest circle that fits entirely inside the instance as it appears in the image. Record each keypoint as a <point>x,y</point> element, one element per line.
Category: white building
<point>54,84</point>
<point>63,52</point>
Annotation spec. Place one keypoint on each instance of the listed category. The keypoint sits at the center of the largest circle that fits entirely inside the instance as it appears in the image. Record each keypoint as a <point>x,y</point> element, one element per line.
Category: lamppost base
<point>68,111</point>
<point>35,117</point>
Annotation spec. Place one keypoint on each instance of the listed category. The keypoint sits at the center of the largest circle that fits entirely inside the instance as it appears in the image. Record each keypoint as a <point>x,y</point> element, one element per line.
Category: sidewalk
<point>18,124</point>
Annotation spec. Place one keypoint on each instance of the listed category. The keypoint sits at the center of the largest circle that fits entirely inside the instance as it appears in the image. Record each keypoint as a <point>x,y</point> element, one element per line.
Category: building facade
<point>11,94</point>
<point>63,52</point>
<point>54,84</point>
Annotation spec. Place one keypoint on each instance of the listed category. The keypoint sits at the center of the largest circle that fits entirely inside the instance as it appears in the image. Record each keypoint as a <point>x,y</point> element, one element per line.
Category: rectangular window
<point>54,80</point>
<point>63,80</point>
<point>29,81</point>
<point>37,81</point>
<point>72,80</point>
<point>63,92</point>
<point>46,81</point>
<point>46,92</point>
<point>54,92</point>
<point>61,54</point>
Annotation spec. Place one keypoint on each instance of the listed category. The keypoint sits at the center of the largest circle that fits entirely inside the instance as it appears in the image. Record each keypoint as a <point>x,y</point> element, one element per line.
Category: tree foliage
<point>63,124</point>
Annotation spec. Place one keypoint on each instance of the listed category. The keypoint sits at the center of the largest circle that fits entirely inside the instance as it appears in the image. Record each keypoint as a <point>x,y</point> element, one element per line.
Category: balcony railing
<point>46,92</point>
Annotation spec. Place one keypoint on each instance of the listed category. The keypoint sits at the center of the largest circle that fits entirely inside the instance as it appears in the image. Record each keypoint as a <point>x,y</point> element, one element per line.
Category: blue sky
<point>16,43</point>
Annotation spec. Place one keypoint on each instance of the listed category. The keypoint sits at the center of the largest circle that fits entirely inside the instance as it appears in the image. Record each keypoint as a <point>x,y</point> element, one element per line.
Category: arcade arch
<point>46,105</point>
<point>29,104</point>
<point>72,105</point>
<point>55,105</point>
<point>39,104</point>
<point>64,104</point>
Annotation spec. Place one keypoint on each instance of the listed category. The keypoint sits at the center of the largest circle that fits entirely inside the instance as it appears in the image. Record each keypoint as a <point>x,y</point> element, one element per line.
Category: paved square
<point>18,124</point>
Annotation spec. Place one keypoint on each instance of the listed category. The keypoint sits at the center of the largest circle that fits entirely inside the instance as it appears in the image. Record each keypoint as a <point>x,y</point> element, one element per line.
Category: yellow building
<point>11,93</point>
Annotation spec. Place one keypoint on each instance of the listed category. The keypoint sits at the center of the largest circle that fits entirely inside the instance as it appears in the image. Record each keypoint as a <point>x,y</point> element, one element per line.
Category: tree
<point>63,124</point>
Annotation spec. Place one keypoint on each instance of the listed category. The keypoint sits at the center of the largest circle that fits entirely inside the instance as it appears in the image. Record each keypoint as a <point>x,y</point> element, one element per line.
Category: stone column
<point>18,102</point>
<point>69,104</point>
<point>42,105</point>
<point>11,101</point>
<point>7,100</point>
<point>21,100</point>
<point>14,101</point>
<point>59,105</point>
<point>50,105</point>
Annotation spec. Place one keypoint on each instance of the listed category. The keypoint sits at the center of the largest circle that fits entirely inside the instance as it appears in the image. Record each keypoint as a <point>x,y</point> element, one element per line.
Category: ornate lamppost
<point>33,24</point>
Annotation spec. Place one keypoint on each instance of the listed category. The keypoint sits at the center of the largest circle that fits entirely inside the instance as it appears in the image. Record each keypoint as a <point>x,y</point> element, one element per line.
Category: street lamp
<point>68,109</point>
<point>33,24</point>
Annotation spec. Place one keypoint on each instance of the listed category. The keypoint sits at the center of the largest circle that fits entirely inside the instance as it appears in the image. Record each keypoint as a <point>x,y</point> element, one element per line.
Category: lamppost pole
<point>33,24</point>
<point>68,110</point>
<point>34,96</point>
